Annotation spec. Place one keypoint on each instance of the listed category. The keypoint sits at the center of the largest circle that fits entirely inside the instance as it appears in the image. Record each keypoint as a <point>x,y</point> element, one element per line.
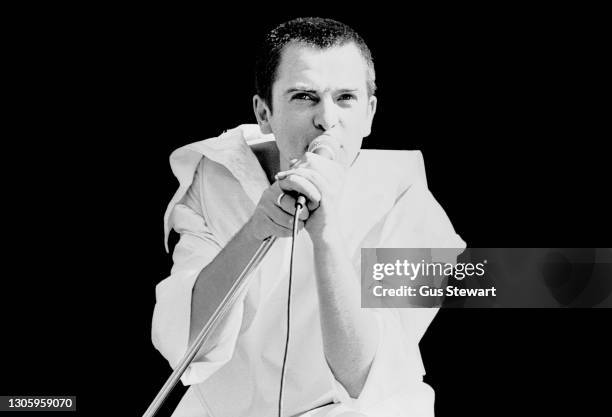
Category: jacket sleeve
<point>196,248</point>
<point>395,376</point>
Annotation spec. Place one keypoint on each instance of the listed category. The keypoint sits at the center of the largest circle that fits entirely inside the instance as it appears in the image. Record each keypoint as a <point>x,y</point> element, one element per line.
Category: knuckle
<point>289,179</point>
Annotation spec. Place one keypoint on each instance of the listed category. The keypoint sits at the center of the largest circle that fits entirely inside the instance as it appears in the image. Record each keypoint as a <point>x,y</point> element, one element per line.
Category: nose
<point>326,116</point>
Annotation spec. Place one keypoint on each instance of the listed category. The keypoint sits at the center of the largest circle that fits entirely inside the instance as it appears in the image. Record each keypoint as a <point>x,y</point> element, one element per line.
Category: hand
<point>270,219</point>
<point>321,181</point>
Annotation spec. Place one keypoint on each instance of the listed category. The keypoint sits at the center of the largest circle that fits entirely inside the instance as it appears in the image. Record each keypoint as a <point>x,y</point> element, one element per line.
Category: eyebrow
<point>300,89</point>
<point>308,90</point>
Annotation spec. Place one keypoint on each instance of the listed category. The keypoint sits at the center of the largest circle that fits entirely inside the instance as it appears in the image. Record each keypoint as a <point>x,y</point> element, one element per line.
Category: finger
<point>317,161</point>
<point>315,178</point>
<point>288,205</point>
<point>311,175</point>
<point>279,217</point>
<point>285,201</point>
<point>301,185</point>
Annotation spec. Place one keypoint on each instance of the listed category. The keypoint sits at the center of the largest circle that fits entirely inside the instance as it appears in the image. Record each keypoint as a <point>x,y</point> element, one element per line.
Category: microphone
<point>322,146</point>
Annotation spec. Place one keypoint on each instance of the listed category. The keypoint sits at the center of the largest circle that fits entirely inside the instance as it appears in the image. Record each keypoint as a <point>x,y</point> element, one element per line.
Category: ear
<point>370,112</point>
<point>262,114</point>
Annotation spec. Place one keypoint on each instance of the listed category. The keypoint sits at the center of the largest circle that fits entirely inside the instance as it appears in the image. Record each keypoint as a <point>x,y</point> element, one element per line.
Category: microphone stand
<point>227,302</point>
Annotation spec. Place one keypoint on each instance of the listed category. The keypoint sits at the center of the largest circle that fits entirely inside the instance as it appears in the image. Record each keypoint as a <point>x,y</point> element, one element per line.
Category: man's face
<point>320,91</point>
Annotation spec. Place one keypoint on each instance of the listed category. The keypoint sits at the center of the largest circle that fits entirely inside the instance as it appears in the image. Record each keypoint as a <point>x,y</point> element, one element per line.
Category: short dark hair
<point>312,31</point>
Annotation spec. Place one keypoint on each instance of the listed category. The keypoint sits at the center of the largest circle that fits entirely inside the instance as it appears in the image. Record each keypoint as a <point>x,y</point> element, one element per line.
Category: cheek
<point>285,125</point>
<point>358,122</point>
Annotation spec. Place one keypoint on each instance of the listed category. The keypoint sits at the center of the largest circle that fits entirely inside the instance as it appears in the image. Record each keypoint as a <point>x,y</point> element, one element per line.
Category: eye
<point>303,97</point>
<point>347,97</point>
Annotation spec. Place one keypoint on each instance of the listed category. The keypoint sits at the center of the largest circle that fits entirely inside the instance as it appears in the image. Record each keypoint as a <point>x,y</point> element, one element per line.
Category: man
<point>315,80</point>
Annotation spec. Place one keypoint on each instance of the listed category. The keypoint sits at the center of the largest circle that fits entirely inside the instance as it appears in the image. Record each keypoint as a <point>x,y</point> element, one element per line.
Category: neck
<point>269,158</point>
<point>284,164</point>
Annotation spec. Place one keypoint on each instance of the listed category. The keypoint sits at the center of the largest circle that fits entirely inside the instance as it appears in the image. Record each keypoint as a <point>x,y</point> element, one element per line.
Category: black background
<point>506,106</point>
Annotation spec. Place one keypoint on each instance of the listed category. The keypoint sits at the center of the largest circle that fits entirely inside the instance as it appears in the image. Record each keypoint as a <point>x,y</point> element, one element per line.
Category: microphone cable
<point>299,205</point>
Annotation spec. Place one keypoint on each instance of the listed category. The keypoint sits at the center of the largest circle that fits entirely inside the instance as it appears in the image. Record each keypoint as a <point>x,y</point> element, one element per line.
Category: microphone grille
<point>322,147</point>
